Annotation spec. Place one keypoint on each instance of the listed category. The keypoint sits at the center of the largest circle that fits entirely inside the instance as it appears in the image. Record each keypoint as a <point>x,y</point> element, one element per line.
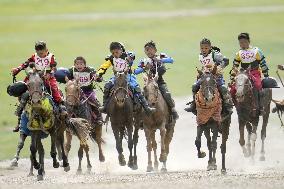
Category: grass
<point>177,37</point>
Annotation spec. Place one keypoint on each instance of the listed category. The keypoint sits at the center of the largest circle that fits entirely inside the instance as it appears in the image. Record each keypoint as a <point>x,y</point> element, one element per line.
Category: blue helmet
<point>269,82</point>
<point>61,73</point>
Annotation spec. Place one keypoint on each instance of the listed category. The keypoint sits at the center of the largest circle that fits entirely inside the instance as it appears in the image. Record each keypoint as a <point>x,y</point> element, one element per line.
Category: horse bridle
<point>118,89</point>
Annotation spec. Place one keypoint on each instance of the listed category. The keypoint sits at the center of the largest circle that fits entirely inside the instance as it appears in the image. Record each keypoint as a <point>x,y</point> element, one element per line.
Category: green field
<point>178,37</point>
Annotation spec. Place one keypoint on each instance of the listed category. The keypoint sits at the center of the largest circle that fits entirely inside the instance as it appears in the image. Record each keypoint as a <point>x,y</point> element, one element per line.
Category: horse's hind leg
<point>163,156</point>
<point>200,154</point>
<point>99,140</point>
<point>214,145</point>
<point>242,137</point>
<point>86,149</point>
<point>41,161</point>
<point>169,136</point>
<point>66,165</point>
<point>80,156</point>
<point>21,143</point>
<point>263,134</point>
<point>31,167</point>
<point>225,134</point>
<point>254,137</point>
<point>67,145</point>
<point>154,148</point>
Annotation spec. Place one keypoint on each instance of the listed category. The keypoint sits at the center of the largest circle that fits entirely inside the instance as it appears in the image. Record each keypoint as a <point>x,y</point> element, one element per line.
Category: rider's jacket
<point>85,77</point>
<point>251,57</point>
<point>213,58</point>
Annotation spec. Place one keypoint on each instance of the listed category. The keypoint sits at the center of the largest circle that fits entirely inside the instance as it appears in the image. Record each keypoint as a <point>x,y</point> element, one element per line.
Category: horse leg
<point>200,154</point>
<point>225,134</point>
<point>99,141</point>
<point>67,145</point>
<point>154,148</point>
<point>41,160</point>
<point>53,150</point>
<point>130,146</point>
<point>263,134</point>
<point>33,149</point>
<point>163,156</point>
<point>242,137</point>
<point>169,137</point>
<point>21,143</point>
<point>86,149</point>
<point>31,167</point>
<point>135,142</point>
<point>248,145</point>
<point>149,148</point>
<point>209,146</point>
<point>66,165</point>
<point>118,139</point>
<point>80,156</point>
<point>214,145</point>
<point>254,137</point>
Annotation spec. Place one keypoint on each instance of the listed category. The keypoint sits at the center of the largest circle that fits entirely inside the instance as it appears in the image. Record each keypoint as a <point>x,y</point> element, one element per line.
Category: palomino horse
<point>42,120</point>
<point>120,111</point>
<point>82,109</point>
<point>244,102</point>
<point>209,119</point>
<point>160,119</point>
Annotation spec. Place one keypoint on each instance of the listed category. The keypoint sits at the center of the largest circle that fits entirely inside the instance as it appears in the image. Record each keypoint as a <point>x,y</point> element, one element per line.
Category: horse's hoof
<point>121,160</point>
<point>56,165</point>
<point>201,155</point>
<point>156,166</point>
<point>163,158</point>
<point>135,167</point>
<point>89,171</point>
<point>150,168</point>
<point>102,158</point>
<point>223,171</point>
<point>262,158</point>
<point>66,169</point>
<point>79,172</point>
<point>214,167</point>
<point>39,177</point>
<point>31,174</point>
<point>164,170</point>
<point>14,164</point>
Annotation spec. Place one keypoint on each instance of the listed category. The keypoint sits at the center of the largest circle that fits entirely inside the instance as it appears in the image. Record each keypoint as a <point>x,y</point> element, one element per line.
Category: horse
<point>244,101</point>
<point>77,106</point>
<point>209,119</point>
<point>160,119</point>
<point>120,111</point>
<point>42,119</point>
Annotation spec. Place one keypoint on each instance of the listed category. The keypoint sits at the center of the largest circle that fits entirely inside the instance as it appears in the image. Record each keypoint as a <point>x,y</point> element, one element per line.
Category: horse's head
<point>73,92</point>
<point>208,86</point>
<point>121,88</point>
<point>35,87</point>
<point>151,90</point>
<point>242,85</point>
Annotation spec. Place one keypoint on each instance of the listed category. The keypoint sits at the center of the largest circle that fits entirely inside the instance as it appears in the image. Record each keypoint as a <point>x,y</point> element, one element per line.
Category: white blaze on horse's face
<point>241,81</point>
<point>152,92</point>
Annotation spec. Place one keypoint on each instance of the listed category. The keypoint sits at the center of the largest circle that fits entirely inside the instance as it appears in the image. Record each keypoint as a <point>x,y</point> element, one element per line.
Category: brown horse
<point>78,106</point>
<point>160,119</point>
<point>120,111</point>
<point>244,102</point>
<point>43,119</point>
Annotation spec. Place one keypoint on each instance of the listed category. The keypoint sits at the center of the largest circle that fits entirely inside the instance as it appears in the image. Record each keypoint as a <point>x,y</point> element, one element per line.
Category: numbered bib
<point>42,63</point>
<point>84,78</point>
<point>248,55</point>
<point>206,60</point>
<point>120,65</point>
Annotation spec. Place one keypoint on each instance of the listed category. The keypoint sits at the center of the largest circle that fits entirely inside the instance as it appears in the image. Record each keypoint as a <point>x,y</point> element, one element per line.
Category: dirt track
<point>185,170</point>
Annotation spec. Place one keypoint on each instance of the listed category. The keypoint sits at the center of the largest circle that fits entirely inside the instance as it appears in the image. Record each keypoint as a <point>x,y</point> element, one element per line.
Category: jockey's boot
<point>227,100</point>
<point>169,100</point>
<point>192,107</point>
<point>23,102</point>
<point>148,110</point>
<point>107,89</point>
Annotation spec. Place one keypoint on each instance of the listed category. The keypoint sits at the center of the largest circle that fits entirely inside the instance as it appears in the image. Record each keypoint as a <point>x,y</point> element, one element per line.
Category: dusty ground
<point>185,170</point>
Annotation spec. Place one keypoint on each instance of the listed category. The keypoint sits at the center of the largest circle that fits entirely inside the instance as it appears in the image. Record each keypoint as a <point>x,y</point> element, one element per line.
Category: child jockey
<point>41,60</point>
<point>121,61</point>
<point>86,76</point>
<point>211,55</point>
<point>158,60</point>
<point>251,58</point>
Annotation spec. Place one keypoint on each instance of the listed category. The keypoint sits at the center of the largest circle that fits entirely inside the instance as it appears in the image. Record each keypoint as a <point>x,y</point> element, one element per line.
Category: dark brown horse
<point>42,119</point>
<point>244,102</point>
<point>120,111</point>
<point>159,120</point>
<point>78,107</point>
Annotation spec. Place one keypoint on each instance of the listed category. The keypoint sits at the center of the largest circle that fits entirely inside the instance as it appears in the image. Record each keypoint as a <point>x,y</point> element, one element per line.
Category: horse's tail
<point>80,128</point>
